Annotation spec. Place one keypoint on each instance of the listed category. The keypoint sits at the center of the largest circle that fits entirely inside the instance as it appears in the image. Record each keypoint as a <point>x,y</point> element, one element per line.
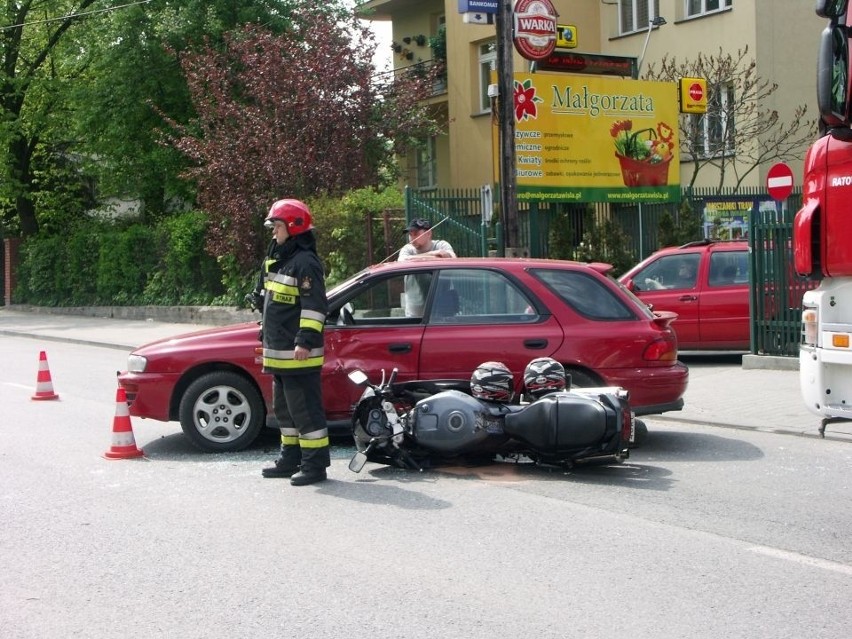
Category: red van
<point>707,284</point>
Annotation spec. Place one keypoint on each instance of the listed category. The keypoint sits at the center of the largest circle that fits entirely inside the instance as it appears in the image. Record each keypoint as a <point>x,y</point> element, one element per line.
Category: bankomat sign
<point>535,28</point>
<point>478,6</point>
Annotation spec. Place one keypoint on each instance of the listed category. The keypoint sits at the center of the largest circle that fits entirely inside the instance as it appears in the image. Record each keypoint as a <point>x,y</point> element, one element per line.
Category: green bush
<point>186,274</point>
<point>102,262</point>
<point>125,260</point>
<point>40,273</point>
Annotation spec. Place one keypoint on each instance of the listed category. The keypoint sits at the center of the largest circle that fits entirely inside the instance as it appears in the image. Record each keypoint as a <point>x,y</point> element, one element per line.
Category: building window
<point>427,164</point>
<point>712,134</point>
<point>700,7</point>
<point>487,64</point>
<point>636,15</point>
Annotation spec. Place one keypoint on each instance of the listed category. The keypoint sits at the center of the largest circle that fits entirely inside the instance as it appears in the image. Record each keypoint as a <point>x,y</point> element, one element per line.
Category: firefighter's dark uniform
<point>293,315</point>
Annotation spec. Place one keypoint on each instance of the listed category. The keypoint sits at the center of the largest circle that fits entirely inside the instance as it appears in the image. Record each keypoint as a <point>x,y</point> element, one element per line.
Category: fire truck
<point>822,230</point>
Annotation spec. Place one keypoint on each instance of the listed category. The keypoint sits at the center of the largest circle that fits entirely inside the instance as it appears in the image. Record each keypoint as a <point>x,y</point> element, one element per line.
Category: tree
<point>77,85</point>
<point>293,115</point>
<point>31,38</point>
<point>737,134</point>
<point>135,77</point>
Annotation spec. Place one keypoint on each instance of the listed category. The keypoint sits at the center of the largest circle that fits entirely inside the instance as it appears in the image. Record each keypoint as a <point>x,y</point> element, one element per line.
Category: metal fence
<point>775,287</point>
<point>776,290</point>
<point>725,214</point>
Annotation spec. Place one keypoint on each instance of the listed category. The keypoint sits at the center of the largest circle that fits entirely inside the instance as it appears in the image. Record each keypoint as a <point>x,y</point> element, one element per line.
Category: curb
<point>211,315</point>
<point>829,435</point>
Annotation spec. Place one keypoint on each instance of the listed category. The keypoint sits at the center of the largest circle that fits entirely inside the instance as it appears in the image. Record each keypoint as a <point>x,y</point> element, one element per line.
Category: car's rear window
<point>585,294</point>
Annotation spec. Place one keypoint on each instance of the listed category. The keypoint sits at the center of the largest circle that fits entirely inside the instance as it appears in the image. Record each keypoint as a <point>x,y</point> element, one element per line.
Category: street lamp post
<point>656,22</point>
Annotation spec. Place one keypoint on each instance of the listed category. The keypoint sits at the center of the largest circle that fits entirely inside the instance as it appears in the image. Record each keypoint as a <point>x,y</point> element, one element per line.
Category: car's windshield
<point>347,283</point>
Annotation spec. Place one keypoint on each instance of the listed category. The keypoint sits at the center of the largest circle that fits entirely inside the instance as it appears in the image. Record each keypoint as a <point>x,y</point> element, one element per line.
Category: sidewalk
<point>718,394</point>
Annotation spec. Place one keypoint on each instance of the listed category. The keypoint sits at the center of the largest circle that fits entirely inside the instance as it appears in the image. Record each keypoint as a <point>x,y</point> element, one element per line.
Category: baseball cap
<point>418,224</point>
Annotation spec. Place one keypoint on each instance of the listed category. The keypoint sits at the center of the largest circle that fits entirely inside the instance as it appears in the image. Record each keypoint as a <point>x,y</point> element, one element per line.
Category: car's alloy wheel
<point>222,411</point>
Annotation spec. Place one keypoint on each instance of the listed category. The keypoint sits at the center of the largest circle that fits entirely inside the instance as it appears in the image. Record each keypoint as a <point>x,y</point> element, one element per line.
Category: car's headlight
<point>136,363</point>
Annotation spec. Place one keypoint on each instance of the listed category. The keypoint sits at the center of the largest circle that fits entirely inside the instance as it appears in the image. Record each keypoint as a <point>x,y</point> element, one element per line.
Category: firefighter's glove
<point>254,300</point>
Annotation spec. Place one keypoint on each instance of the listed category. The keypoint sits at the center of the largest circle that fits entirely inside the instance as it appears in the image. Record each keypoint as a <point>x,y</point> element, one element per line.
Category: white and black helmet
<point>492,381</point>
<point>544,375</point>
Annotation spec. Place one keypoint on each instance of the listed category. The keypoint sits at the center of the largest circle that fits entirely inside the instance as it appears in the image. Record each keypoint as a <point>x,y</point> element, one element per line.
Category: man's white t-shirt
<point>409,251</point>
<point>416,286</point>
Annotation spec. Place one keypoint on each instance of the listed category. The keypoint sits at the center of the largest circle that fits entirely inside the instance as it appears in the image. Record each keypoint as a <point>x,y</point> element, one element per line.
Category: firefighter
<point>294,310</point>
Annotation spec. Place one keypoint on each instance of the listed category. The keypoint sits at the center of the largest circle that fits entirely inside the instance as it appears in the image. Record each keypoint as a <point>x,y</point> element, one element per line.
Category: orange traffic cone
<point>123,442</point>
<point>44,385</point>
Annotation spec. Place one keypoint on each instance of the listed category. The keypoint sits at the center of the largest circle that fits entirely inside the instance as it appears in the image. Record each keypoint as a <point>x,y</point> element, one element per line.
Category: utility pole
<point>506,122</point>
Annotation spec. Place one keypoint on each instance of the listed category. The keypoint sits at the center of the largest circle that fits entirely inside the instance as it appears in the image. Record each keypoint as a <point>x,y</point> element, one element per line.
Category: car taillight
<point>810,321</point>
<point>660,350</point>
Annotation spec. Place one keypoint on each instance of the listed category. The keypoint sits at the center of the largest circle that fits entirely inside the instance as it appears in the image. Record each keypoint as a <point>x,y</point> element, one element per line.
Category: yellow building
<point>781,37</point>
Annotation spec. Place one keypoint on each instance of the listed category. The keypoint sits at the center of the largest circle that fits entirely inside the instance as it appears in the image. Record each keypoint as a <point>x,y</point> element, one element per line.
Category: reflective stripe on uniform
<point>293,364</point>
<point>310,324</point>
<point>284,280</point>
<point>273,353</point>
<point>289,440</point>
<point>322,442</point>
<point>313,320</point>
<point>284,288</point>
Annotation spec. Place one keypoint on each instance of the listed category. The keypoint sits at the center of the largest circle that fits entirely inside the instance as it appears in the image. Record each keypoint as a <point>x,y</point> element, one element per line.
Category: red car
<point>435,319</point>
<point>706,283</point>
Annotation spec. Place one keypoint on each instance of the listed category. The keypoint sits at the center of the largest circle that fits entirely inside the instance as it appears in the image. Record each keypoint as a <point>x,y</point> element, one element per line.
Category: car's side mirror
<point>630,285</point>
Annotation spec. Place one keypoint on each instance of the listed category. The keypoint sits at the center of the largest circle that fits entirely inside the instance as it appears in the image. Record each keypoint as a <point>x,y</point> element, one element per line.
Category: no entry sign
<point>779,181</point>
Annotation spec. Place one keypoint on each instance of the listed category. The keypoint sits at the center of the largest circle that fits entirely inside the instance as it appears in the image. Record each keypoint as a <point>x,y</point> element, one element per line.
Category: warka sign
<point>535,28</point>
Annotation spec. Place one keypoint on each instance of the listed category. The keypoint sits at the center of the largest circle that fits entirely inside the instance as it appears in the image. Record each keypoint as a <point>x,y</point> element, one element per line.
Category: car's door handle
<point>400,348</point>
<point>687,298</point>
<point>537,344</point>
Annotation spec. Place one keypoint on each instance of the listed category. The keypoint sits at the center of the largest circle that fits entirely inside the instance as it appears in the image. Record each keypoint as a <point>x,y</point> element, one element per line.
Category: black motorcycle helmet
<point>492,381</point>
<point>544,375</point>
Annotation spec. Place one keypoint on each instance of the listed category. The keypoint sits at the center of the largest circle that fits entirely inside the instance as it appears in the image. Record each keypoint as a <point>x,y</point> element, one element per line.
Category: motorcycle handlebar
<point>392,378</point>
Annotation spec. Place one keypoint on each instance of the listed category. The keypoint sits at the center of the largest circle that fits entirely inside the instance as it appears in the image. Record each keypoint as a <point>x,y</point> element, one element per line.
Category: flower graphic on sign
<point>525,101</point>
<point>644,155</point>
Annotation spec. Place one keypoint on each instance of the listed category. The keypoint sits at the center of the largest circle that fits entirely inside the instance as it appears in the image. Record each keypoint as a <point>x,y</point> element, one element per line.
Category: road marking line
<point>15,385</point>
<point>825,564</point>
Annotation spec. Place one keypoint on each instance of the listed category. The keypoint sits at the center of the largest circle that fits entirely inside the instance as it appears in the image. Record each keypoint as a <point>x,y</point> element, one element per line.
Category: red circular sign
<point>535,28</point>
<point>779,181</point>
<point>696,92</point>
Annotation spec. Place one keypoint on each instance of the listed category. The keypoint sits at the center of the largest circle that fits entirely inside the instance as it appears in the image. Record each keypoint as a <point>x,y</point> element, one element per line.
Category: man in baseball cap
<point>420,246</point>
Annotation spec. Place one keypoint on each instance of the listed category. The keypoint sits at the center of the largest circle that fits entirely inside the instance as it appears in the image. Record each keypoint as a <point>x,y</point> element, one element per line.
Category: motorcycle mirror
<point>358,377</point>
<point>357,462</point>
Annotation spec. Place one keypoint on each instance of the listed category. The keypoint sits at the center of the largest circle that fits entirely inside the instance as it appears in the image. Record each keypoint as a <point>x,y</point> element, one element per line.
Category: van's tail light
<point>810,321</point>
<point>661,350</point>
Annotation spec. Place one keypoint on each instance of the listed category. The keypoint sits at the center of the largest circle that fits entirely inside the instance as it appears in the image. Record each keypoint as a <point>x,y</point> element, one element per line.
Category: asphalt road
<point>704,533</point>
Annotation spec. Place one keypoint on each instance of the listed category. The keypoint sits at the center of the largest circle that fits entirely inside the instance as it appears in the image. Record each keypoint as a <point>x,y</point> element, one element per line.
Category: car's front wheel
<point>222,411</point>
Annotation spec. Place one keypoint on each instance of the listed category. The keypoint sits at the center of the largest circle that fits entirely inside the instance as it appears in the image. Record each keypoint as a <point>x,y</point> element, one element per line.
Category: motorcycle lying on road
<point>424,423</point>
